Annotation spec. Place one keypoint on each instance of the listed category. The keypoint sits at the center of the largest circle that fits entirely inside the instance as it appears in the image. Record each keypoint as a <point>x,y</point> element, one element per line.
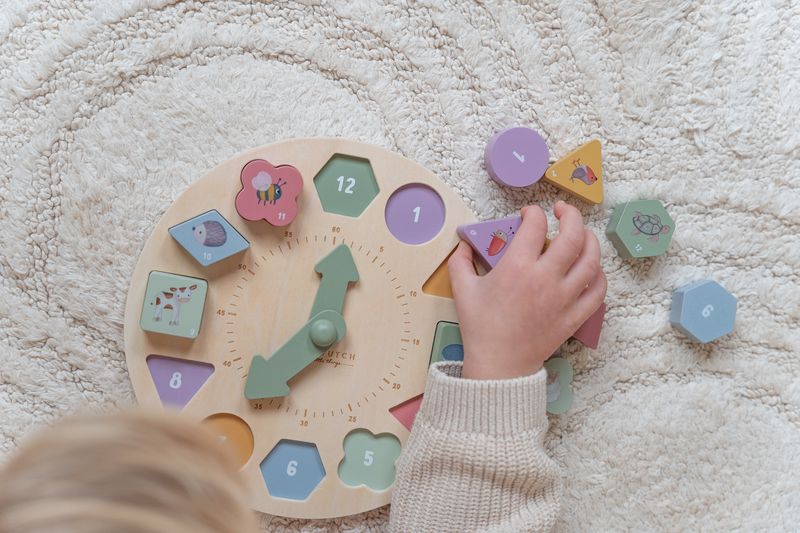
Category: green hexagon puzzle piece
<point>641,228</point>
<point>346,185</point>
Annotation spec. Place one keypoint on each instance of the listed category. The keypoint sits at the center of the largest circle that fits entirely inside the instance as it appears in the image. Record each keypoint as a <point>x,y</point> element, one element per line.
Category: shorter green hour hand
<point>268,378</point>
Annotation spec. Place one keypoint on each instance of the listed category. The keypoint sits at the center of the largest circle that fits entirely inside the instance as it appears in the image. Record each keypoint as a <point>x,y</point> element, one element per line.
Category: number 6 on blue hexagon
<point>703,311</point>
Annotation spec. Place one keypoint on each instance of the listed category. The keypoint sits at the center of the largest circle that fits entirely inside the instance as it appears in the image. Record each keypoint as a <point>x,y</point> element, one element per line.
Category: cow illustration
<point>173,299</point>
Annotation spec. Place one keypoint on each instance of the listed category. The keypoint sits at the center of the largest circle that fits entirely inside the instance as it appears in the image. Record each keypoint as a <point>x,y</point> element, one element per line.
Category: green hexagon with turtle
<point>641,228</point>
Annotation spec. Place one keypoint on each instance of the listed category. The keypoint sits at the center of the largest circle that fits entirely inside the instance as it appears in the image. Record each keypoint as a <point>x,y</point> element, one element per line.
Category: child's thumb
<point>460,265</point>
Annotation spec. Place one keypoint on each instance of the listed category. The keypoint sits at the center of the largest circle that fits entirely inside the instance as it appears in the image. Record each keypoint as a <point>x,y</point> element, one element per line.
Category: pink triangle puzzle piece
<point>589,332</point>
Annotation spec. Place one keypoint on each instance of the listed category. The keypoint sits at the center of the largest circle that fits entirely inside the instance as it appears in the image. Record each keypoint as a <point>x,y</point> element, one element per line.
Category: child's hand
<point>515,317</point>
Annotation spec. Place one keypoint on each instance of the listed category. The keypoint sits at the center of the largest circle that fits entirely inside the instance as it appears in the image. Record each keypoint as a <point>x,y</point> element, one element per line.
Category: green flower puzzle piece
<point>641,228</point>
<point>559,385</point>
<point>369,459</point>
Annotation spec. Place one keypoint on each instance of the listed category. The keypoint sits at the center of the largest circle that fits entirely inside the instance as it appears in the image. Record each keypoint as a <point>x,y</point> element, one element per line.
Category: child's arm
<point>475,458</point>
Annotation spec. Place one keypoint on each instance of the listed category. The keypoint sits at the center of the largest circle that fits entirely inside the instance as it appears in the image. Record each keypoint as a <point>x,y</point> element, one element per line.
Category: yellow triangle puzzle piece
<point>580,172</point>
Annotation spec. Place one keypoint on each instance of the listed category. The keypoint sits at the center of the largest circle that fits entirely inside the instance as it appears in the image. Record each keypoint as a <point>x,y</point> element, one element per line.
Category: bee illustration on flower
<point>267,189</point>
<point>269,192</point>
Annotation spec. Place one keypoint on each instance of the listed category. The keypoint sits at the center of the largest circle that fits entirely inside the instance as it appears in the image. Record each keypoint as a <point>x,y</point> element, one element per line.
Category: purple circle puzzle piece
<point>516,157</point>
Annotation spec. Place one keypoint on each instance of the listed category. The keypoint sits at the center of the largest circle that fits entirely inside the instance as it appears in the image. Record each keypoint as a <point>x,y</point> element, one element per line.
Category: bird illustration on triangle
<point>580,172</point>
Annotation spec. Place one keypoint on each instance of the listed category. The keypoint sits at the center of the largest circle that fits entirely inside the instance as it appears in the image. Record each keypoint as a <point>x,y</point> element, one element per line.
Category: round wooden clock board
<point>290,300</point>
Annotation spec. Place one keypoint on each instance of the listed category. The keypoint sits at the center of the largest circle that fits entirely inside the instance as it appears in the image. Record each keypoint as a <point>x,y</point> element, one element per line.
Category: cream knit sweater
<point>475,459</point>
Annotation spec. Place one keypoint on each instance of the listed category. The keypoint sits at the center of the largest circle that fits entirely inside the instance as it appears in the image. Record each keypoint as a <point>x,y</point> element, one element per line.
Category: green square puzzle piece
<point>447,344</point>
<point>173,304</point>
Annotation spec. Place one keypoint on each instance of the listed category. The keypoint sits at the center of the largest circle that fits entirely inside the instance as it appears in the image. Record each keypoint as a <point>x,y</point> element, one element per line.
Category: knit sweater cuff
<point>493,407</point>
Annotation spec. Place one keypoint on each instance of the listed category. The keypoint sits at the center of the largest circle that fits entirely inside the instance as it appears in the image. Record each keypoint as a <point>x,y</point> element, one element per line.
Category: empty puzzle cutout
<point>234,432</point>
<point>580,172</point>
<point>269,192</point>
<point>406,412</point>
<point>292,469</point>
<point>369,459</point>
<point>177,380</point>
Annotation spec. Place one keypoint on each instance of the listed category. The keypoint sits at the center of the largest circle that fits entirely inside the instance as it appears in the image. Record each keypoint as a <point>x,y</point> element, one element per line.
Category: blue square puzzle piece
<point>703,311</point>
<point>209,237</point>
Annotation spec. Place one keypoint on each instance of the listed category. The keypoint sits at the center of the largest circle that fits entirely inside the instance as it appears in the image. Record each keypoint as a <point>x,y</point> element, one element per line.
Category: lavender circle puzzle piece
<point>415,213</point>
<point>516,157</point>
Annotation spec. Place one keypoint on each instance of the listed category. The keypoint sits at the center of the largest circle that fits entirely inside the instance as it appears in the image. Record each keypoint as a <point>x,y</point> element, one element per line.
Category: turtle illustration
<point>648,225</point>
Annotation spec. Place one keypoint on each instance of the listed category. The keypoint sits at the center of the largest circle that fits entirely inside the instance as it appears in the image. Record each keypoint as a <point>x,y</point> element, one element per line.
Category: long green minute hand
<point>338,270</point>
<point>267,378</point>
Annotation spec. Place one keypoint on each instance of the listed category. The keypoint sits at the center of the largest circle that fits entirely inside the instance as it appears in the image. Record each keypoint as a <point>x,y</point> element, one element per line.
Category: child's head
<point>124,473</point>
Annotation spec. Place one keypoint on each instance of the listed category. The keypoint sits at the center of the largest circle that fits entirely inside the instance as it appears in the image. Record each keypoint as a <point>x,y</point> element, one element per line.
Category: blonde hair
<point>128,472</point>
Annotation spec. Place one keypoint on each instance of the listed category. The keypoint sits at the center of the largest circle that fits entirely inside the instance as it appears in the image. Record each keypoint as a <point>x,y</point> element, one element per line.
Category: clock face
<point>223,302</point>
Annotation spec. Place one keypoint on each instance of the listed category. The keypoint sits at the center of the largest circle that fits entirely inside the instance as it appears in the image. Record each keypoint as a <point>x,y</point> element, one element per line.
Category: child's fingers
<point>529,239</point>
<point>460,266</point>
<point>591,298</point>
<point>585,268</point>
<point>567,245</point>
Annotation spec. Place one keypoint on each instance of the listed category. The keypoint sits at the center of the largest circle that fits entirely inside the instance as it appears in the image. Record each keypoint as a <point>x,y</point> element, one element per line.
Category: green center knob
<point>323,333</point>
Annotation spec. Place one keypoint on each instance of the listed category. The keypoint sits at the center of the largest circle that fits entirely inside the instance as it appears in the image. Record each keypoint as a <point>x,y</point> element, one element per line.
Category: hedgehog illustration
<point>210,233</point>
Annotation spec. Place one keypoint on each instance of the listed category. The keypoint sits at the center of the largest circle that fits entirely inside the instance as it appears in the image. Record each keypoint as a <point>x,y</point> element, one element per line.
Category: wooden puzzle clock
<point>290,300</point>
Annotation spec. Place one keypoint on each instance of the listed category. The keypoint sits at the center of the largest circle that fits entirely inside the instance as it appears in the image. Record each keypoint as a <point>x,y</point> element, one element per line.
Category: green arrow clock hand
<point>267,378</point>
<point>338,271</point>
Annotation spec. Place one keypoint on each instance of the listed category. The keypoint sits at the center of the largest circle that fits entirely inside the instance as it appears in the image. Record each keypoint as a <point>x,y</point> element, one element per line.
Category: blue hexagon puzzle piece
<point>209,238</point>
<point>703,311</point>
<point>292,470</point>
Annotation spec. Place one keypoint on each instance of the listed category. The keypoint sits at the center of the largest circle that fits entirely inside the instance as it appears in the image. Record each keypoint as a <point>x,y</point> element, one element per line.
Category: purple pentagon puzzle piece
<point>491,238</point>
<point>516,157</point>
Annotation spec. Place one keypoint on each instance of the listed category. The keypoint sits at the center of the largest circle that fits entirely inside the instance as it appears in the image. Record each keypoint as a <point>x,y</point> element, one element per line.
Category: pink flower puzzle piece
<point>269,193</point>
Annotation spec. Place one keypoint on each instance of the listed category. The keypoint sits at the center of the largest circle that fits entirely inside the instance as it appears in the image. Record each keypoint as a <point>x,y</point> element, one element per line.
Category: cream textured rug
<point>109,110</point>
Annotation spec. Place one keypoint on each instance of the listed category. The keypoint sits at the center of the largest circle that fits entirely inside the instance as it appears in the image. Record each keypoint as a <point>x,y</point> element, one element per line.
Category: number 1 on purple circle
<point>416,214</point>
